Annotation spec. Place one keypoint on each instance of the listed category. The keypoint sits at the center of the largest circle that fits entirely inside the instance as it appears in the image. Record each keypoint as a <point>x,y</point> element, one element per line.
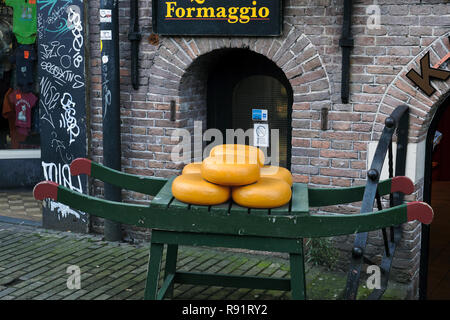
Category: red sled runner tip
<point>402,184</point>
<point>46,189</point>
<point>421,211</point>
<point>81,166</point>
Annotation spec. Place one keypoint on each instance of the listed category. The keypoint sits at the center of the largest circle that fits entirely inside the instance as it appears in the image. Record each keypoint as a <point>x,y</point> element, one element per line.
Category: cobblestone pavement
<point>34,262</point>
<point>20,204</point>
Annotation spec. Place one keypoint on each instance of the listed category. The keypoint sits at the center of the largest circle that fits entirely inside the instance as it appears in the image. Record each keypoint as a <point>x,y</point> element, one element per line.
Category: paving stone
<point>7,291</point>
<point>34,261</point>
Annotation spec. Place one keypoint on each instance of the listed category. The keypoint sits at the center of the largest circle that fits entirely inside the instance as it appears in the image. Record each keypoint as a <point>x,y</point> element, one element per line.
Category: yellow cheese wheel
<point>194,167</point>
<point>191,188</point>
<point>277,173</point>
<point>266,193</point>
<point>253,153</point>
<point>230,172</point>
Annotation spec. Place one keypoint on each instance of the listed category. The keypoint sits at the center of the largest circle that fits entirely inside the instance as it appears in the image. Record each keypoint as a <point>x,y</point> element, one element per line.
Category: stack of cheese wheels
<point>266,193</point>
<point>277,173</point>
<point>192,188</point>
<point>194,167</point>
<point>237,171</point>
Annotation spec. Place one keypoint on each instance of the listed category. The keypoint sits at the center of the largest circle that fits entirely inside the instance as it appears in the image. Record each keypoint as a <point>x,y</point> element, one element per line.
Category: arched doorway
<point>435,246</point>
<point>240,82</point>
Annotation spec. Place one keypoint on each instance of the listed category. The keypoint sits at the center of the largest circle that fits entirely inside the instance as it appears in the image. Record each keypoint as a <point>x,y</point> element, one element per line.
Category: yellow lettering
<point>232,18</point>
<point>170,9</point>
<point>221,12</point>
<point>232,14</point>
<point>189,12</point>
<point>205,13</point>
<point>180,12</point>
<point>244,18</point>
<point>254,10</point>
<point>263,12</point>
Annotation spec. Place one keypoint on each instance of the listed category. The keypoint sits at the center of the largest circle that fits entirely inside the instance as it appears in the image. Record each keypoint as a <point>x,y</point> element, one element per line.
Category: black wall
<point>61,68</point>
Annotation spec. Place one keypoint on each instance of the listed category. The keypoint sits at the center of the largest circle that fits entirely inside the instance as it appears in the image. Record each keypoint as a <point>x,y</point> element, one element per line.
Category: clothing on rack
<point>24,20</point>
<point>23,103</point>
<point>9,112</point>
<point>24,58</point>
<point>4,125</point>
<point>6,39</point>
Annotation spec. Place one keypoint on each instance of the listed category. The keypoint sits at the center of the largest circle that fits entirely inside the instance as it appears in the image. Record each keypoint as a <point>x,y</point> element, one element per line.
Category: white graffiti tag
<point>68,120</point>
<point>74,23</point>
<point>60,174</point>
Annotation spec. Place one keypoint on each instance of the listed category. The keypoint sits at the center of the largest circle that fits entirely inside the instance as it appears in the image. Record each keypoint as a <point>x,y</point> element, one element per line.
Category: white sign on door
<point>261,135</point>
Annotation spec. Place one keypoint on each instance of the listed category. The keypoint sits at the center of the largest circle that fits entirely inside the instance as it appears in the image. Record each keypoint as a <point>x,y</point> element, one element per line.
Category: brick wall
<point>309,54</point>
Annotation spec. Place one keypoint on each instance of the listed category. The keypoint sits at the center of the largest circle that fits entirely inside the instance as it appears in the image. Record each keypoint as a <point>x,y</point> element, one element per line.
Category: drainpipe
<point>109,46</point>
<point>346,43</point>
<point>134,37</point>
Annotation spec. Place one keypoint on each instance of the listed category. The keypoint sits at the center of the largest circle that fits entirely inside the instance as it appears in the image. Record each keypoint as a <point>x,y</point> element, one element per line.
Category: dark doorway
<point>241,81</point>
<point>435,247</point>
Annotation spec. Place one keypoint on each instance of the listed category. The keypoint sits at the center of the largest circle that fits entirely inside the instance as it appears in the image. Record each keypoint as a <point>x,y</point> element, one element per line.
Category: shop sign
<point>218,17</point>
<point>423,80</point>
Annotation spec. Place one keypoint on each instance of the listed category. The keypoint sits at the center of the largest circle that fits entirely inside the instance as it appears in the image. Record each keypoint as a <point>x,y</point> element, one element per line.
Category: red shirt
<point>23,102</point>
<point>9,113</point>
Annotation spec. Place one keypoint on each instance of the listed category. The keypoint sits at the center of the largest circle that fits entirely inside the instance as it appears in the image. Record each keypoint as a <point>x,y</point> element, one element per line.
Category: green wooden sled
<point>281,229</point>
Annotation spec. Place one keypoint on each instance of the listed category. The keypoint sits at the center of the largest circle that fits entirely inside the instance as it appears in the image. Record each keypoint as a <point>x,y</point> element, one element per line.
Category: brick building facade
<point>309,55</point>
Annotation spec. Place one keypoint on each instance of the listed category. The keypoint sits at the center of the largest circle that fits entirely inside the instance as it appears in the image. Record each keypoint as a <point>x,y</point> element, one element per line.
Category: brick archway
<point>404,91</point>
<point>293,53</point>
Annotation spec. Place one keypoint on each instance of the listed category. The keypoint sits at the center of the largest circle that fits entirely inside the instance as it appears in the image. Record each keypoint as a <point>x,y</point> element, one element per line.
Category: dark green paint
<point>320,197</point>
<point>238,222</point>
<point>145,185</point>
<point>230,225</point>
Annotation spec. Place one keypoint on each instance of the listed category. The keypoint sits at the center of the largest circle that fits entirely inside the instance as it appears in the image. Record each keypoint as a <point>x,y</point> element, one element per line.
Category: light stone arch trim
<point>403,91</point>
<point>293,52</point>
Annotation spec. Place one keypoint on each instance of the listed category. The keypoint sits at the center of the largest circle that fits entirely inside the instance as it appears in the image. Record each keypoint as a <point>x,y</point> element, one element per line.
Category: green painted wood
<point>237,209</point>
<point>164,196</point>
<point>167,287</point>
<point>319,197</point>
<point>284,210</point>
<point>145,185</point>
<point>200,208</point>
<point>238,223</point>
<point>171,264</point>
<point>228,241</point>
<point>300,200</point>
<point>298,288</point>
<point>178,204</point>
<point>223,208</point>
<point>259,211</point>
<point>221,280</point>
<point>384,187</point>
<point>154,264</point>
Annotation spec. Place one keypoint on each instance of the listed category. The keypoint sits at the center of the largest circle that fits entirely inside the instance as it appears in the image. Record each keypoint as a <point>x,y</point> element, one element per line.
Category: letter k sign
<point>427,72</point>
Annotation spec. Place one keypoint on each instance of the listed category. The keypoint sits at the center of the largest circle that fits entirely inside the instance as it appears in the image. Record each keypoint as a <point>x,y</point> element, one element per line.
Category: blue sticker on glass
<point>259,114</point>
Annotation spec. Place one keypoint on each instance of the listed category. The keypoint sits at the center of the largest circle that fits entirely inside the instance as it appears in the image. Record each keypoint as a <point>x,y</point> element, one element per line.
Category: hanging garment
<point>6,38</point>
<point>4,125</point>
<point>24,58</point>
<point>35,127</point>
<point>24,20</point>
<point>23,102</point>
<point>9,112</point>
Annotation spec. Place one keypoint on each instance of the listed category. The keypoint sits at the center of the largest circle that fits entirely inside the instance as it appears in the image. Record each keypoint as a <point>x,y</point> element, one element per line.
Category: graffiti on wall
<point>61,71</point>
